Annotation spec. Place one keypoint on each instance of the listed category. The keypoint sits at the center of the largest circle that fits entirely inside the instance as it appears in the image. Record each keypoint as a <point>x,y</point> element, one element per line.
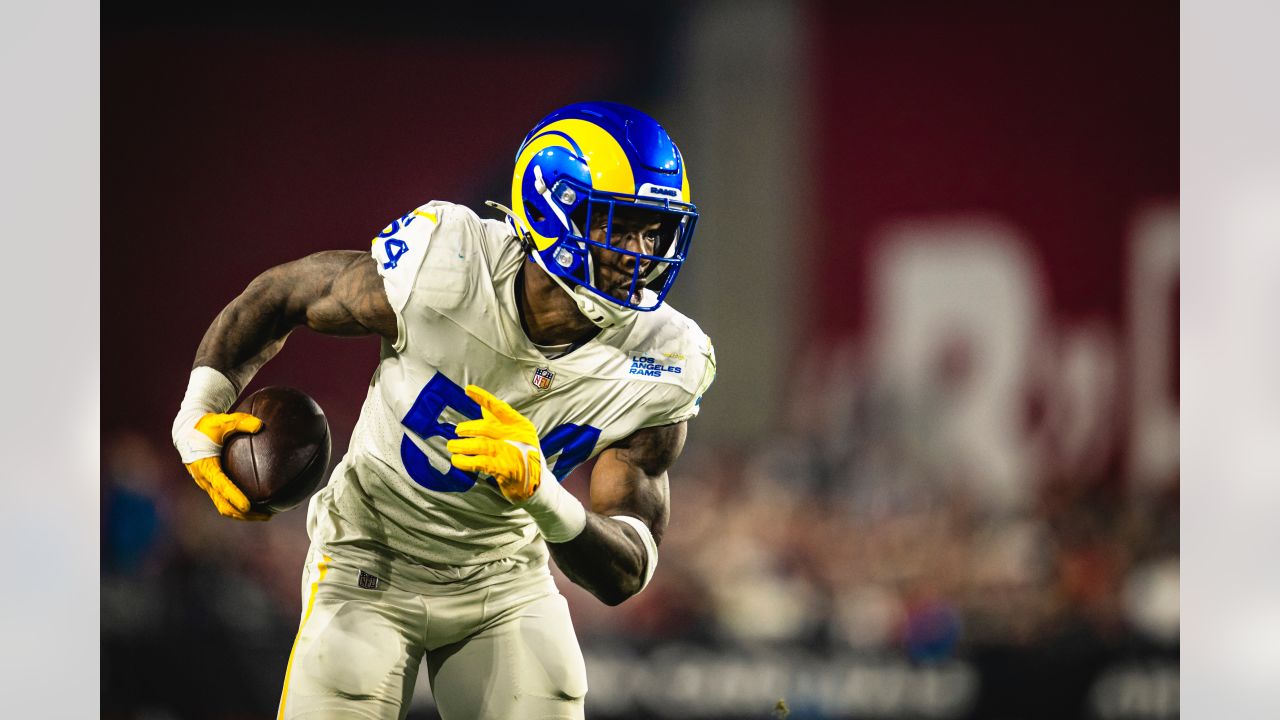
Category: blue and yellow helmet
<point>580,168</point>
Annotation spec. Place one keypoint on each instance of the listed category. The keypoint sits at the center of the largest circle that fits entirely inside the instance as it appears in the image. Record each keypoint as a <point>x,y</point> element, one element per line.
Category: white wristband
<point>559,515</point>
<point>650,545</point>
<point>210,391</point>
<point>207,391</point>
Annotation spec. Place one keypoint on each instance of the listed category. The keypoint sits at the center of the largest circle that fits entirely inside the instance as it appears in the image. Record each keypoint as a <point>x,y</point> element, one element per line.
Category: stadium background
<point>938,473</point>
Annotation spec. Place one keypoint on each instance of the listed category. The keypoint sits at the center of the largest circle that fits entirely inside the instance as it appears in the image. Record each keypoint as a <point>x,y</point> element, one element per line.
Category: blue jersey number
<point>394,247</point>
<point>573,442</point>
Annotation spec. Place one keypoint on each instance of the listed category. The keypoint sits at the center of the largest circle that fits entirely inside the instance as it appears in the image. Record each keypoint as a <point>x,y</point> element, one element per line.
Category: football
<point>284,462</point>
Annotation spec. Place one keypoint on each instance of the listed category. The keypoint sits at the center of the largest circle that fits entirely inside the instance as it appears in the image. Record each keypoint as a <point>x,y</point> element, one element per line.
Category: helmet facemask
<point>599,251</point>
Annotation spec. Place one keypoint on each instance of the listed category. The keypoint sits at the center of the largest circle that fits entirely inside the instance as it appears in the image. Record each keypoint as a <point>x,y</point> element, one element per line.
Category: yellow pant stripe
<point>323,567</point>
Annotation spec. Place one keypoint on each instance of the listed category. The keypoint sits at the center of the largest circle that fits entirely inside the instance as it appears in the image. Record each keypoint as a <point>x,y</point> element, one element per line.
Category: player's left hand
<point>502,444</point>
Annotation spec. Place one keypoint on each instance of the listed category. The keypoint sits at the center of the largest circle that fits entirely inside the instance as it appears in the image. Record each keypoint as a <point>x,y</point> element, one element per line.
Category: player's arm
<point>612,557</point>
<point>334,292</point>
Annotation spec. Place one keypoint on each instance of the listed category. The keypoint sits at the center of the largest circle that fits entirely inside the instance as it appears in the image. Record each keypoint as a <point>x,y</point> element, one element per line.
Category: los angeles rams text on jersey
<point>451,279</point>
<point>649,367</point>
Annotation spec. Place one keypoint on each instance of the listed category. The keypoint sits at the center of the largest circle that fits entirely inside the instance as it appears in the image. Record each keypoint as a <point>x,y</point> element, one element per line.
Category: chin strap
<point>601,313</point>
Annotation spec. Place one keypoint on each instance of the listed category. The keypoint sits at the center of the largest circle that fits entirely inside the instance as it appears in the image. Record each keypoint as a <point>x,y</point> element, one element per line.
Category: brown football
<point>284,462</point>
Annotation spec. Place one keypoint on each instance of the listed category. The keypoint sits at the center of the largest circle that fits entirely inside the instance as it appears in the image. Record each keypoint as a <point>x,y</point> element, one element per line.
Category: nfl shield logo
<point>542,378</point>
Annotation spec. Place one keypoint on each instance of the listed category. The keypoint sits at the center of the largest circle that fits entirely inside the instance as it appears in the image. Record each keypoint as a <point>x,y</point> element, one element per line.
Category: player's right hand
<point>199,440</point>
<point>503,444</point>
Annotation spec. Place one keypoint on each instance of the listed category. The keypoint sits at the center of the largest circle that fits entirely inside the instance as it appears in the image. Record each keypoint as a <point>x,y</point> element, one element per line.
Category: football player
<point>512,351</point>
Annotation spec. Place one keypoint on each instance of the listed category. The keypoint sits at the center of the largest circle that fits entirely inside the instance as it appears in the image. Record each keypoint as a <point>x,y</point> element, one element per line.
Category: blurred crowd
<point>758,551</point>
<point>187,595</point>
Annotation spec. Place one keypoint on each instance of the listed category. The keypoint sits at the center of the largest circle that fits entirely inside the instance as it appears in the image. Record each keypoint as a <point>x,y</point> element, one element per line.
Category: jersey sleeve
<point>400,251</point>
<point>702,364</point>
<point>432,258</point>
<point>677,376</point>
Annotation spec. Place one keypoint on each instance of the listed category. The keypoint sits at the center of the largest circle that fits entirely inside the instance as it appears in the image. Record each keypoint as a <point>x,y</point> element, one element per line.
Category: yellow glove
<point>207,472</point>
<point>199,432</point>
<point>502,444</point>
<point>200,445</point>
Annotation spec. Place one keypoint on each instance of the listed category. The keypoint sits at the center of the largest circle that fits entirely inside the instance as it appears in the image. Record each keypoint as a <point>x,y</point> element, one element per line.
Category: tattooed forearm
<point>630,478</point>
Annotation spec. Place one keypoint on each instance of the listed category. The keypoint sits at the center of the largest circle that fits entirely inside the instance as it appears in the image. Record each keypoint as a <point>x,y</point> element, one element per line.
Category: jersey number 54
<point>573,442</point>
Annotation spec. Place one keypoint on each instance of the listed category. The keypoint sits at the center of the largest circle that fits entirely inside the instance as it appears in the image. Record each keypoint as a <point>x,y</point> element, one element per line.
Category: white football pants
<point>507,650</point>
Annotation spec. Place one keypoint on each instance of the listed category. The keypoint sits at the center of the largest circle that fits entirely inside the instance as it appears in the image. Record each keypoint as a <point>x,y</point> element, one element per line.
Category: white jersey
<point>394,502</point>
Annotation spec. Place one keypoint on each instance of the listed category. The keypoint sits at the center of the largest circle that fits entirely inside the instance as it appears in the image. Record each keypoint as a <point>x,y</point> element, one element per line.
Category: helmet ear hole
<point>534,214</point>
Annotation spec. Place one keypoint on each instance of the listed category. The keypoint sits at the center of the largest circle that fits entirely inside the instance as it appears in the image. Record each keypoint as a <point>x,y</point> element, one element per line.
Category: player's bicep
<point>336,292</point>
<point>358,291</point>
<point>630,477</point>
